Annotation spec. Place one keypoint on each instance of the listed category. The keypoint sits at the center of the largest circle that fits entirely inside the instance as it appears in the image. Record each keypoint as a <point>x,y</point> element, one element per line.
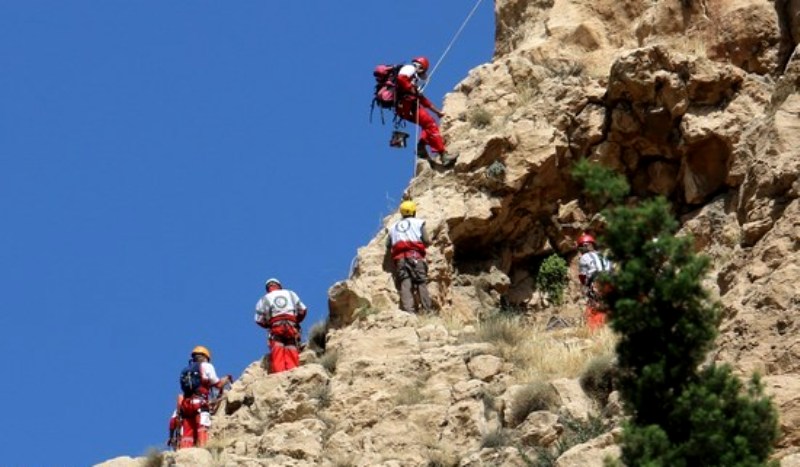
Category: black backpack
<point>191,379</point>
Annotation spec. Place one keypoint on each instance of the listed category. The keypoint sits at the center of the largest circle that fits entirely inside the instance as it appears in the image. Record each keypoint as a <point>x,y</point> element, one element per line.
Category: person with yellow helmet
<point>407,242</point>
<point>193,417</point>
<point>280,311</point>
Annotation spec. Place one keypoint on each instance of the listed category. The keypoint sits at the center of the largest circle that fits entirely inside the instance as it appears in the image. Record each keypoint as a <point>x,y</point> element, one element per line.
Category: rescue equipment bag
<point>190,379</point>
<point>385,95</point>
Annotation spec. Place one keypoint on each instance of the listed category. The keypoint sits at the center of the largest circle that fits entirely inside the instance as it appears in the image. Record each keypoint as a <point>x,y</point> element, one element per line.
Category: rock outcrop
<point>705,115</point>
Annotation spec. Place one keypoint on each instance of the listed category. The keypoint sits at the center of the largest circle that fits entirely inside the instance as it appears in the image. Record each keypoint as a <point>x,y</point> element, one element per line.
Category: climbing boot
<point>447,159</point>
<point>422,153</point>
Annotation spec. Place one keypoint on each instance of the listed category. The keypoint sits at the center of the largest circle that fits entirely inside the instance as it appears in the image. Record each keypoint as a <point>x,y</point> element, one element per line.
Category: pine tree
<point>681,412</point>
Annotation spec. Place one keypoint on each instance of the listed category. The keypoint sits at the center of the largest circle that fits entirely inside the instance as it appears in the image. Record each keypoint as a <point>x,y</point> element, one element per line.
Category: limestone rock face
<point>696,101</point>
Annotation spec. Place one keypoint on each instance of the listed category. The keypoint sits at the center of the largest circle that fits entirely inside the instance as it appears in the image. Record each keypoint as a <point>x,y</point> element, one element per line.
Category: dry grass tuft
<point>329,360</point>
<point>537,354</point>
<point>441,457</point>
<point>531,398</point>
<point>496,439</point>
<point>318,337</point>
<point>153,458</point>
<point>322,393</point>
<point>480,118</point>
<point>598,378</point>
<point>560,354</point>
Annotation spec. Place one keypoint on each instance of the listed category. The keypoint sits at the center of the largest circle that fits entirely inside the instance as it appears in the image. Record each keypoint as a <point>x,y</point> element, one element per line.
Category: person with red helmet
<point>590,264</point>
<point>193,414</point>
<point>280,311</point>
<point>412,105</point>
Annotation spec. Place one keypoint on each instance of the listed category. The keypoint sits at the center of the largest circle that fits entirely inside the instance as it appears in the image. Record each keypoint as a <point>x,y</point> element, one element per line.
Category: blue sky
<point>158,161</point>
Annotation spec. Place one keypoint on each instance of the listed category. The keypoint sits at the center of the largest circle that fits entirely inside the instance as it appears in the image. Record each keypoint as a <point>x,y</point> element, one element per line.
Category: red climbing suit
<point>195,416</point>
<point>411,106</point>
<point>281,312</point>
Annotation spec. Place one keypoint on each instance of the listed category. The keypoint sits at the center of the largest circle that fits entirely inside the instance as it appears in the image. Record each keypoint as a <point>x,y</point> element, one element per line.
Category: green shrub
<point>480,118</point>
<point>551,278</point>
<point>531,398</point>
<point>597,379</point>
<point>496,170</point>
<point>680,411</point>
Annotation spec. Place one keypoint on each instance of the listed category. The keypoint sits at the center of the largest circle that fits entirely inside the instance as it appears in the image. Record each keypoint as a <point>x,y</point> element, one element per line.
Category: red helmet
<point>423,62</point>
<point>586,238</point>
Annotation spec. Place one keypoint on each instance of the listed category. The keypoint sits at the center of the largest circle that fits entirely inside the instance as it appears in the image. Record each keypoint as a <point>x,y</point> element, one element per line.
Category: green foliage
<point>496,170</point>
<point>552,278</point>
<point>480,118</point>
<point>600,183</point>
<point>680,415</point>
<point>531,398</point>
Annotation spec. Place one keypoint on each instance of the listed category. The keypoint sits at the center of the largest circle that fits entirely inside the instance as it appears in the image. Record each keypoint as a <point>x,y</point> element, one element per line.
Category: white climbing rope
<point>452,41</point>
<point>430,77</point>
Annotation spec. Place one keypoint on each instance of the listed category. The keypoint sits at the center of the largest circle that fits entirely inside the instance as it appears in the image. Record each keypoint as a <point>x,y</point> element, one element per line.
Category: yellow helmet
<point>202,351</point>
<point>408,208</point>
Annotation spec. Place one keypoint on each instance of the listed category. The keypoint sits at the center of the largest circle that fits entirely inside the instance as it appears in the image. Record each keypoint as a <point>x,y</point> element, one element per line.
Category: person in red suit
<point>412,105</point>
<point>280,311</point>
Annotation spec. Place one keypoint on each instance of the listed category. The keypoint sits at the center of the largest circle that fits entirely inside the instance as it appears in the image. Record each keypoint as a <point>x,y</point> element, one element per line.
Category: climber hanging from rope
<point>400,87</point>
<point>411,106</point>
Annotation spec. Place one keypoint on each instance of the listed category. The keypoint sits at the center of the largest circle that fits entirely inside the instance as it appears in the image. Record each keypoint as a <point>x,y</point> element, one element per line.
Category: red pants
<point>195,421</point>
<point>430,134</point>
<point>283,352</point>
<point>595,318</point>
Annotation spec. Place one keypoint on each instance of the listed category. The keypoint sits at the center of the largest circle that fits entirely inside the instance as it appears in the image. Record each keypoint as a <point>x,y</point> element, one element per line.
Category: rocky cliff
<point>696,100</point>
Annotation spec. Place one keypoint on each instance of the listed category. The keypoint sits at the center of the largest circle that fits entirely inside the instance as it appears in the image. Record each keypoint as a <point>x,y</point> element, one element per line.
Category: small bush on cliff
<point>531,398</point>
<point>496,439</point>
<point>551,278</point>
<point>322,393</point>
<point>597,379</point>
<point>680,414</point>
<point>502,329</point>
<point>576,432</point>
<point>318,337</point>
<point>153,458</point>
<point>480,118</point>
<point>329,360</point>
